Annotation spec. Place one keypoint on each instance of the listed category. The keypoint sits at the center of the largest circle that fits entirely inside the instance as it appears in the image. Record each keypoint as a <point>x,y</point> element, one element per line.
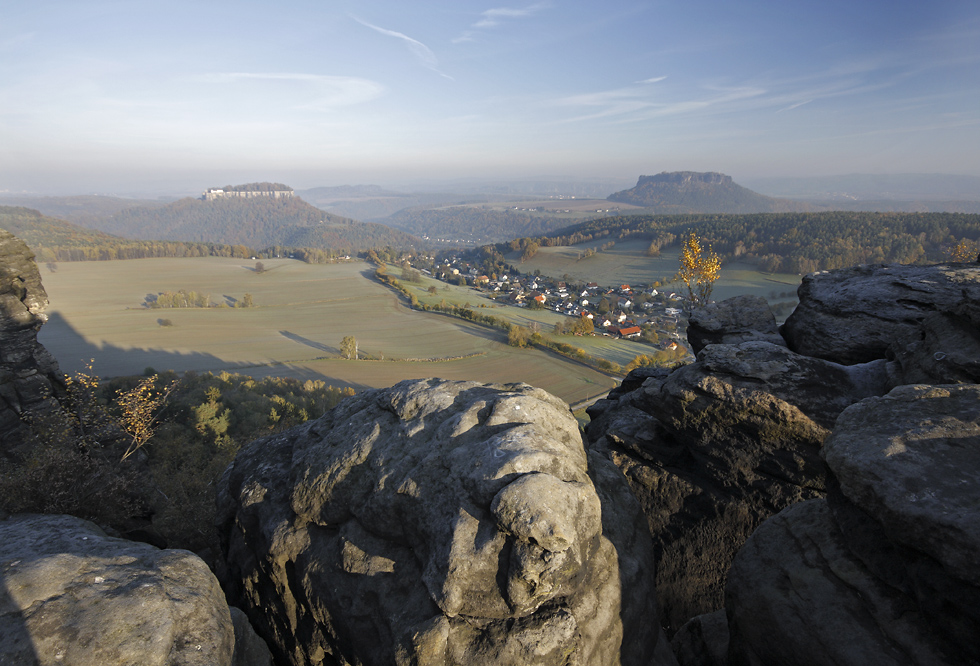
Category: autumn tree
<point>348,347</point>
<point>700,268</point>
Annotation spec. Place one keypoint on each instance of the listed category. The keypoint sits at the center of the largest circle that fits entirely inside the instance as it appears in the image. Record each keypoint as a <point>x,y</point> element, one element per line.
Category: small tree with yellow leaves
<point>700,268</point>
<point>140,406</point>
<point>966,250</point>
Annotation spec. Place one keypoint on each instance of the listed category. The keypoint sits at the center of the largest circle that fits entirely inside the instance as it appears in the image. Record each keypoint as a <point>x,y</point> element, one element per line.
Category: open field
<point>302,312</point>
<point>627,263</point>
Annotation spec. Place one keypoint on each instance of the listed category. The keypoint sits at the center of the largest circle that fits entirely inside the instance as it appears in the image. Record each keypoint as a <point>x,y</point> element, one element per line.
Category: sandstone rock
<point>70,594</point>
<point>884,571</point>
<point>439,523</point>
<point>29,375</point>
<point>946,352</point>
<point>250,650</point>
<point>797,595</point>
<point>732,321</point>
<point>702,641</point>
<point>911,460</point>
<point>714,448</point>
<point>854,315</point>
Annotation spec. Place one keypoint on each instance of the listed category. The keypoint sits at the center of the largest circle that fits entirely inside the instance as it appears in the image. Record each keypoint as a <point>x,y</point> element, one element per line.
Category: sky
<point>124,96</point>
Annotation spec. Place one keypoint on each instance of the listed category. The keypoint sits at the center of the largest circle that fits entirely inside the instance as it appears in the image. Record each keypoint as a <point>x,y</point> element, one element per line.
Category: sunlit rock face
<point>440,522</point>
<point>69,594</point>
<point>29,375</point>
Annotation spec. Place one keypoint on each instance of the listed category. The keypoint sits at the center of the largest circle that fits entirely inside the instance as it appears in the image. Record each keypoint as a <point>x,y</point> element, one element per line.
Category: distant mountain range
<point>687,192</point>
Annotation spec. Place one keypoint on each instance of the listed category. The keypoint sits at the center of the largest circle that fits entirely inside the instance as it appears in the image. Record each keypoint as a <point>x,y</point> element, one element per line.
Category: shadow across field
<point>111,360</point>
<point>313,344</point>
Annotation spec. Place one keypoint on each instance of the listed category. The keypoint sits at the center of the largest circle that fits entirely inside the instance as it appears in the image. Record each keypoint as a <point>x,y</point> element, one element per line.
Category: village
<point>651,314</point>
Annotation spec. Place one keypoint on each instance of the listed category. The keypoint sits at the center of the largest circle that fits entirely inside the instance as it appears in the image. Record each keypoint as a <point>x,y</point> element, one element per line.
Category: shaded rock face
<point>884,570</point>
<point>858,314</point>
<point>735,320</point>
<point>439,523</point>
<point>70,594</point>
<point>29,375</point>
<point>716,447</point>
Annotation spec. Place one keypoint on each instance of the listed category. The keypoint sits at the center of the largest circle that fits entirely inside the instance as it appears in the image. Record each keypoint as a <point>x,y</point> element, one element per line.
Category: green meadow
<point>628,263</point>
<point>301,312</point>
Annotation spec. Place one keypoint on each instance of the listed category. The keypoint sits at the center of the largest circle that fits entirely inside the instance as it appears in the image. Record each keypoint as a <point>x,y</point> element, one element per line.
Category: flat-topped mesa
<point>685,177</point>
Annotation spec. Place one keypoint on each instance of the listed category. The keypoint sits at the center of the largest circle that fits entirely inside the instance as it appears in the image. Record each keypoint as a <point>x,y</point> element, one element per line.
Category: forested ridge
<point>472,223</point>
<point>52,239</point>
<point>790,242</point>
<point>257,222</point>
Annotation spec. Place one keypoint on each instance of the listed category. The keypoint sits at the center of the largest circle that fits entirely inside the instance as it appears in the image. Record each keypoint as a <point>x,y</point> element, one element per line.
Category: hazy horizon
<point>123,98</point>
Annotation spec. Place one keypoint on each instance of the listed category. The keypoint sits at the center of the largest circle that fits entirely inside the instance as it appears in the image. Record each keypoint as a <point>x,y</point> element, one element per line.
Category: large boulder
<point>714,448</point>
<point>69,594</point>
<point>734,320</point>
<point>884,571</point>
<point>439,523</point>
<point>29,375</point>
<point>856,314</point>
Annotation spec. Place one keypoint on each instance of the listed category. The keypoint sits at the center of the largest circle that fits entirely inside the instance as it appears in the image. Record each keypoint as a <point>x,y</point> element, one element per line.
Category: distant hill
<point>54,240</point>
<point>688,192</point>
<point>914,188</point>
<point>253,222</point>
<point>78,207</point>
<point>38,230</point>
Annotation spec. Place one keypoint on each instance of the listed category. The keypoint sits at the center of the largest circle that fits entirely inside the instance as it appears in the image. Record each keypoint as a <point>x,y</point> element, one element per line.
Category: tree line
<point>790,242</point>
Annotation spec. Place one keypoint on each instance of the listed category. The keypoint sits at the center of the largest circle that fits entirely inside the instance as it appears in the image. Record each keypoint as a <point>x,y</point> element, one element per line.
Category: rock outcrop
<point>858,314</point>
<point>713,449</point>
<point>29,375</point>
<point>440,523</point>
<point>738,319</point>
<point>70,594</point>
<point>885,570</point>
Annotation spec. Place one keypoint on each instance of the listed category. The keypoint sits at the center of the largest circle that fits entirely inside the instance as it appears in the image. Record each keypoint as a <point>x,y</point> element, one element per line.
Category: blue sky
<point>132,95</point>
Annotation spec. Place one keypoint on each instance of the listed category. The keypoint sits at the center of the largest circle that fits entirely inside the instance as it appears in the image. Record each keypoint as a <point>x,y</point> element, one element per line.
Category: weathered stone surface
<point>702,641</point>
<point>250,650</point>
<point>70,594</point>
<point>439,523</point>
<point>885,570</point>
<point>797,595</point>
<point>946,352</point>
<point>29,375</point>
<point>854,315</point>
<point>735,320</point>
<point>725,377</point>
<point>714,448</point>
<point>911,460</point>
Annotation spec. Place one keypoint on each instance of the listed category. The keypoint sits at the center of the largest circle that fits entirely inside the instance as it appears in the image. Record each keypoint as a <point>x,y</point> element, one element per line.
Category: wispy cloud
<point>330,91</point>
<point>417,48</point>
<point>491,18</point>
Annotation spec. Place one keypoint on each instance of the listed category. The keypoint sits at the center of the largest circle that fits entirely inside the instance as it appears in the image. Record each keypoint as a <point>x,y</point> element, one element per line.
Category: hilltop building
<point>250,191</point>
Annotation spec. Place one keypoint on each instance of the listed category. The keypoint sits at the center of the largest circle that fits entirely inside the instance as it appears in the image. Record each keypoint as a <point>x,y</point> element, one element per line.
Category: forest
<point>786,242</point>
